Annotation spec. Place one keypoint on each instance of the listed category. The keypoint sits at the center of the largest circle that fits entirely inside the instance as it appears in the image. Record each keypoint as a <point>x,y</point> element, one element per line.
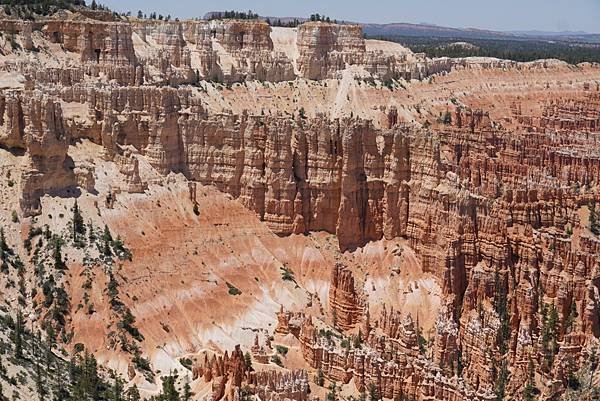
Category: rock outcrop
<point>32,123</point>
<point>345,303</point>
<point>230,376</point>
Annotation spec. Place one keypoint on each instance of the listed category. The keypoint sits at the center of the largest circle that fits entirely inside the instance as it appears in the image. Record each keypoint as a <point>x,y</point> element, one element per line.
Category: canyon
<point>291,213</point>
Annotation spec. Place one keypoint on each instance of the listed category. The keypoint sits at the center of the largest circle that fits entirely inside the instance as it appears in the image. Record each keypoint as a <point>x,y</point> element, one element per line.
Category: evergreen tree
<point>169,392</point>
<point>39,381</point>
<point>59,264</point>
<point>373,392</point>
<point>48,350</point>
<point>421,341</point>
<point>501,380</point>
<point>4,250</point>
<point>528,390</point>
<point>60,390</point>
<point>84,378</point>
<point>571,317</point>
<point>332,394</point>
<point>549,332</point>
<point>140,14</point>
<point>447,118</point>
<point>18,335</point>
<point>117,389</point>
<point>91,234</point>
<point>133,394</point>
<point>187,391</point>
<point>320,378</point>
<point>106,240</point>
<point>77,222</point>
<point>94,5</point>
<point>248,361</point>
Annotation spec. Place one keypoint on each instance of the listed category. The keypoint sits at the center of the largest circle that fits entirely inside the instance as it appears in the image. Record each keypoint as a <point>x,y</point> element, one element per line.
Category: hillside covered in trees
<point>518,49</point>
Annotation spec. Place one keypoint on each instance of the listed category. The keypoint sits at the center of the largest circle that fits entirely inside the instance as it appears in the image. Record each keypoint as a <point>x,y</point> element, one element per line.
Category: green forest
<point>517,49</point>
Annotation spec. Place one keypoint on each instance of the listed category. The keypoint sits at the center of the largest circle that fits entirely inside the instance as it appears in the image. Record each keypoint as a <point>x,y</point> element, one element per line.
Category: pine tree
<point>60,391</point>
<point>187,391</point>
<point>117,390</point>
<point>332,394</point>
<point>4,250</point>
<point>549,332</point>
<point>248,361</point>
<point>501,380</point>
<point>18,335</point>
<point>447,118</point>
<point>3,246</point>
<point>528,390</point>
<point>320,378</point>
<point>84,378</point>
<point>571,317</point>
<point>59,264</point>
<point>39,381</point>
<point>373,393</point>
<point>94,5</point>
<point>140,15</point>
<point>49,355</point>
<point>169,392</point>
<point>107,240</point>
<point>77,222</point>
<point>133,394</point>
<point>421,341</point>
<point>91,375</point>
<point>91,234</point>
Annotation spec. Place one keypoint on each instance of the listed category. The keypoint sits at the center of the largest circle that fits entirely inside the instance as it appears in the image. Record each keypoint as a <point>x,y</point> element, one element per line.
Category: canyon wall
<point>500,211</point>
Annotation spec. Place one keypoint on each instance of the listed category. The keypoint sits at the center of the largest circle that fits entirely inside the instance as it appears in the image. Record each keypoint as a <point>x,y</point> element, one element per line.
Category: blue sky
<point>547,15</point>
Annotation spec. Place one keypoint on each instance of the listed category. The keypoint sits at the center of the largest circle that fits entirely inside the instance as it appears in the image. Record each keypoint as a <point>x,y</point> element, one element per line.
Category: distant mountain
<point>574,36</point>
<point>437,31</point>
<point>406,29</point>
<point>549,33</point>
